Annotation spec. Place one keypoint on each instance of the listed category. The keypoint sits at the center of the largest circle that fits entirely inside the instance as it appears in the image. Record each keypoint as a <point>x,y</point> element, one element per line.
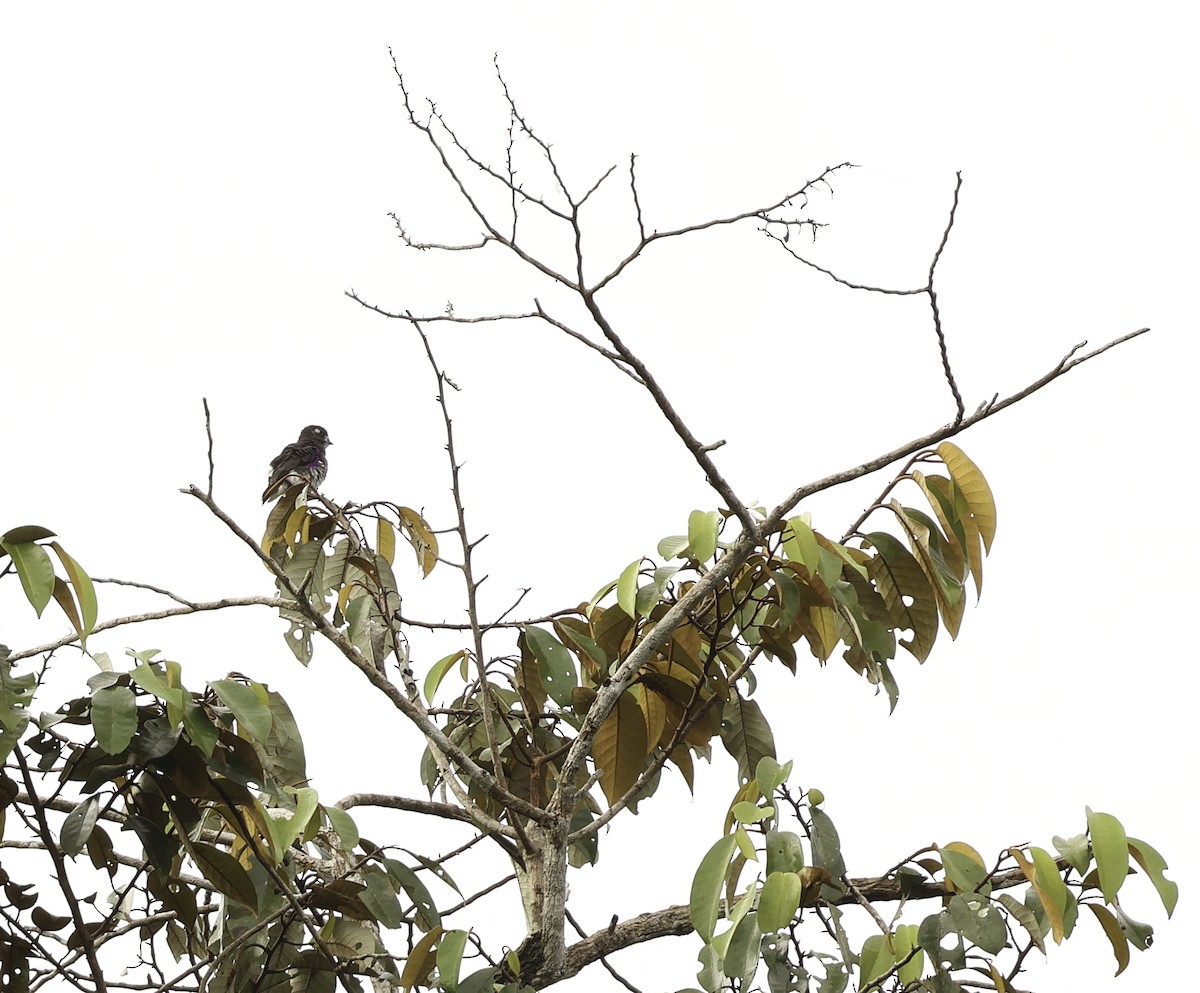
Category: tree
<point>227,862</point>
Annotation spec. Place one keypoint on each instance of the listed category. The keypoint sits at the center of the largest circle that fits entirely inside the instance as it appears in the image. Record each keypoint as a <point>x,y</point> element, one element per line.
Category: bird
<point>303,461</point>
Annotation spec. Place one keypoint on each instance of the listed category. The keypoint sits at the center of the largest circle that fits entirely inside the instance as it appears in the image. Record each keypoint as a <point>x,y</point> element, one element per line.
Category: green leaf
<point>962,869</point>
<point>706,887</point>
<point>751,813</point>
<point>746,734</point>
<point>1075,850</point>
<point>673,546</point>
<point>1052,888</point>
<point>1026,918</point>
<point>449,958</point>
<point>627,588</point>
<point>36,570</point>
<point>16,694</point>
<point>437,672</point>
<point>198,726</point>
<point>25,534</point>
<point>427,912</point>
<point>770,775</point>
<point>703,528</point>
<point>343,824</point>
<point>226,874</point>
<point>380,899</point>
<point>1110,848</point>
<point>784,852</point>
<point>555,665</point>
<point>78,825</point>
<point>85,592</point>
<point>247,705</point>
<point>779,901</point>
<point>800,544</point>
<point>114,718</point>
<point>826,845</point>
<point>741,958</point>
<point>906,591</point>
<point>976,918</point>
<point>1153,864</point>
<point>874,960</point>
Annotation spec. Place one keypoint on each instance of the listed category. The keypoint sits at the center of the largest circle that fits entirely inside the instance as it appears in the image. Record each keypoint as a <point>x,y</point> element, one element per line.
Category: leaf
<point>245,703</point>
<point>704,526</point>
<point>16,694</point>
<point>800,544</point>
<point>343,824</point>
<point>1110,848</point>
<point>420,535</point>
<point>555,665</point>
<point>964,866</point>
<point>449,959</point>
<point>1051,888</point>
<point>627,588</point>
<point>673,546</point>
<point>385,540</point>
<point>35,569</point>
<point>620,748</point>
<point>826,845</point>
<point>78,825</point>
<point>741,958</point>
<point>226,874</point>
<point>421,960</point>
<point>1075,850</point>
<point>114,718</point>
<point>427,912</point>
<point>906,592</point>
<point>85,592</point>
<point>1116,937</point>
<point>874,960</point>
<point>706,887</point>
<point>1025,917</point>
<point>975,490</point>
<point>1153,864</point>
<point>779,900</point>
<point>746,734</point>
<point>784,852</point>
<point>25,534</point>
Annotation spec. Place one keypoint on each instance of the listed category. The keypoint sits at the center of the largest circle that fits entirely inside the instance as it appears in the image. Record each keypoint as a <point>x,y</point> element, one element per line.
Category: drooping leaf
<point>226,874</point>
<point>35,570</point>
<point>627,586</point>
<point>428,916</point>
<point>343,824</point>
<point>800,544</point>
<point>826,845</point>
<point>746,734</point>
<point>1025,917</point>
<point>449,958</point>
<point>707,885</point>
<point>16,694</point>
<point>85,592</point>
<point>974,488</point>
<point>421,960</point>
<point>704,526</point>
<point>779,900</point>
<point>620,748</point>
<point>420,535</point>
<point>1153,864</point>
<point>385,540</point>
<point>906,591</point>
<point>1116,937</point>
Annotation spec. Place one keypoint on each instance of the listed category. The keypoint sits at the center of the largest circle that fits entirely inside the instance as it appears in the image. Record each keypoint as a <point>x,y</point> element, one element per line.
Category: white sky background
<point>185,196</point>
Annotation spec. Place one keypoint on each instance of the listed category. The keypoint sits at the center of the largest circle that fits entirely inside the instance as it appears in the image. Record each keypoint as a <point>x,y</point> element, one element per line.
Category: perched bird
<point>303,461</point>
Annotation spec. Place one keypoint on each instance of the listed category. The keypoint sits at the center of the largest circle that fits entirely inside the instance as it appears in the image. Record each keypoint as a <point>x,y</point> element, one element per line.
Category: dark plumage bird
<point>303,461</point>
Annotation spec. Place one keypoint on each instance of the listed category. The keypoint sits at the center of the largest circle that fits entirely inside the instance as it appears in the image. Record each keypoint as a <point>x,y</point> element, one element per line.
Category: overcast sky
<point>187,191</point>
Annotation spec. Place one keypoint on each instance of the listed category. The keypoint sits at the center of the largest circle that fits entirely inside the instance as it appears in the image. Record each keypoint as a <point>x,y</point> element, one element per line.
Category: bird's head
<point>315,433</point>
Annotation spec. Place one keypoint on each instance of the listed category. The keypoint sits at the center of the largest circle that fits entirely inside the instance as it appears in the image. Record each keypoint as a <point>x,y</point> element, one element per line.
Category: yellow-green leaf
<point>421,960</point>
<point>703,528</point>
<point>706,887</point>
<point>1153,864</point>
<point>627,588</point>
<point>974,489</point>
<point>385,540</point>
<point>1110,848</point>
<point>85,592</point>
<point>800,544</point>
<point>36,571</point>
